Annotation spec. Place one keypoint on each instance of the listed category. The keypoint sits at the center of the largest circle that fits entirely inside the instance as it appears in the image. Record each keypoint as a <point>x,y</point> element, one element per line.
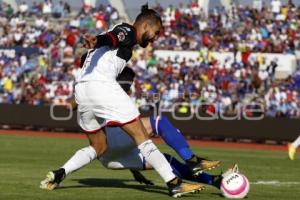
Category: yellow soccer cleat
<point>197,164</point>
<point>291,151</point>
<point>181,188</point>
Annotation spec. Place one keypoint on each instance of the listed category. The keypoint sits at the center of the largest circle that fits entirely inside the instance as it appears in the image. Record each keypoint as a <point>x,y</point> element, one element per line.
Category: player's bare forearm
<point>72,103</point>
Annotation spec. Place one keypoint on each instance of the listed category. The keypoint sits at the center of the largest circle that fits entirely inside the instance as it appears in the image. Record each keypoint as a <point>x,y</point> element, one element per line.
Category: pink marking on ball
<point>237,191</point>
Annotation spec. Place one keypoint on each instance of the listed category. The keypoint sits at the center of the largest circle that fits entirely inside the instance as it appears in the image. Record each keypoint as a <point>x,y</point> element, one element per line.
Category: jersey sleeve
<point>82,59</point>
<point>124,53</point>
<point>122,35</point>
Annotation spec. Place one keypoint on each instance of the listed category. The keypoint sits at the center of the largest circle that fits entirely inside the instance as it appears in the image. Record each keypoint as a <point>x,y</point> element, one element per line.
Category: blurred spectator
<point>67,8</point>
<point>276,7</point>
<point>23,8</point>
<point>35,9</point>
<point>9,11</point>
<point>47,7</point>
<point>59,10</point>
<point>7,84</point>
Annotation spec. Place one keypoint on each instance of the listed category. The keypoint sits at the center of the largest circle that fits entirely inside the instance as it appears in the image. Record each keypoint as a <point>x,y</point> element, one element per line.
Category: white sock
<point>158,161</point>
<point>81,158</point>
<point>296,143</point>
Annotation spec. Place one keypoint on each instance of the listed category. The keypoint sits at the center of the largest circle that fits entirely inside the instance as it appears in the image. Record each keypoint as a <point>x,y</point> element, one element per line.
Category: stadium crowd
<point>47,75</point>
<point>267,29</point>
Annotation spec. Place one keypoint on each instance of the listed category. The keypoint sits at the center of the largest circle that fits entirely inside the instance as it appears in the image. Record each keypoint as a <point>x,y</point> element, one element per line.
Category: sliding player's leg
<point>155,158</point>
<point>292,148</point>
<point>161,126</point>
<point>135,162</point>
<point>123,154</point>
<point>182,170</point>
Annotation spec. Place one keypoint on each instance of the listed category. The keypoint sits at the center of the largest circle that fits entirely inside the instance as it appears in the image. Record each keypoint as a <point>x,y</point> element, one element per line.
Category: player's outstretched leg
<point>80,159</point>
<point>161,126</point>
<point>157,160</point>
<point>292,148</point>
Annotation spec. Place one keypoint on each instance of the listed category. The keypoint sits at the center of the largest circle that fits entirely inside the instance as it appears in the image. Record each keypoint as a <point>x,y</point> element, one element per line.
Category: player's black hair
<point>148,14</point>
<point>125,78</point>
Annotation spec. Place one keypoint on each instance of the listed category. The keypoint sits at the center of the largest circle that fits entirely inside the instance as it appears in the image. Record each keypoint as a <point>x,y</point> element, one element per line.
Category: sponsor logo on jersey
<point>121,36</point>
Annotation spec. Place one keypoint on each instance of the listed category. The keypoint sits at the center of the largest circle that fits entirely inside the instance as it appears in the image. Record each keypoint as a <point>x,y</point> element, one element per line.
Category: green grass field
<point>24,161</point>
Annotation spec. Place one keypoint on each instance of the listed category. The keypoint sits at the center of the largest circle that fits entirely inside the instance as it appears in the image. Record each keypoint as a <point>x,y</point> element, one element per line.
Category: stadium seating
<point>42,70</point>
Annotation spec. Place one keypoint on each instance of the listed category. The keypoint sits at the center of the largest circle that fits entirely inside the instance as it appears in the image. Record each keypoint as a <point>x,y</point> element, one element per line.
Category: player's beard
<point>145,40</point>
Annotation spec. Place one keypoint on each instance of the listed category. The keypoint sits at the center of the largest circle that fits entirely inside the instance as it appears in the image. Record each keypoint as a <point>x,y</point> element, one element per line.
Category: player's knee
<point>115,165</point>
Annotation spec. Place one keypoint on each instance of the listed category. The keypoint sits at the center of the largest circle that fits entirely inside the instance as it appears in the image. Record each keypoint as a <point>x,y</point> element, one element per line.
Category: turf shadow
<point>115,183</point>
<point>217,194</point>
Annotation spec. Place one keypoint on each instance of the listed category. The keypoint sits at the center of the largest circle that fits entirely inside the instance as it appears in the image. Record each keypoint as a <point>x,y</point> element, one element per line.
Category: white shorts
<point>103,103</point>
<point>122,152</point>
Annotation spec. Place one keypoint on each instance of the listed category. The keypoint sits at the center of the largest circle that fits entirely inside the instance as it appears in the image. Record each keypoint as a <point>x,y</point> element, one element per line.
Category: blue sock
<point>162,126</point>
<point>182,171</point>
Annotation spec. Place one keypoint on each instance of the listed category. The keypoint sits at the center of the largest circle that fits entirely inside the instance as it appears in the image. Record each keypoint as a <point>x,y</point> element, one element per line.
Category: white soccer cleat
<point>52,180</point>
<point>47,183</point>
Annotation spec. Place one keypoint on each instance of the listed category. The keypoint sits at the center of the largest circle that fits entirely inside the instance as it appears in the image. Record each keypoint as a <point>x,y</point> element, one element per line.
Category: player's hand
<point>89,41</point>
<point>141,178</point>
<point>73,103</point>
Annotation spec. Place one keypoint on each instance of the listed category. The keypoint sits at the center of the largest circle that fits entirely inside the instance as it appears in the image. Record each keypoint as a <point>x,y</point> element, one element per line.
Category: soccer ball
<point>235,186</point>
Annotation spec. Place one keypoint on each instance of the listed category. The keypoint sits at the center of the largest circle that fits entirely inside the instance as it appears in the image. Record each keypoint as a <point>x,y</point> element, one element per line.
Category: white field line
<point>275,183</point>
